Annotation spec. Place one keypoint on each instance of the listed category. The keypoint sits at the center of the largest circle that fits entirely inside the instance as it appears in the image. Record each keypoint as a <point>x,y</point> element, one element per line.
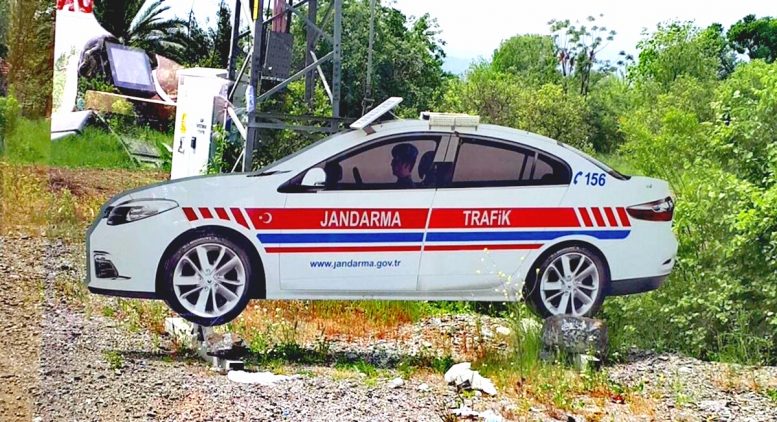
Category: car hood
<point>198,188</point>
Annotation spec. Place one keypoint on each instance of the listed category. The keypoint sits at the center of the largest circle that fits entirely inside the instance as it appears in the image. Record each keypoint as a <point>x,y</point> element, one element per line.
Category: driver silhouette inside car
<point>402,163</point>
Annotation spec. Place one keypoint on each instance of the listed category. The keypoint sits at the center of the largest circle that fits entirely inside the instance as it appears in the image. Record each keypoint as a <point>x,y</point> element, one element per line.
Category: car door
<point>362,231</point>
<point>497,205</point>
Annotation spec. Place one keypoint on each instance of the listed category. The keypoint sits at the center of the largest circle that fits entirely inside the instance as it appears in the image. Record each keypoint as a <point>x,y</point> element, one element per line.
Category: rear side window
<point>481,163</point>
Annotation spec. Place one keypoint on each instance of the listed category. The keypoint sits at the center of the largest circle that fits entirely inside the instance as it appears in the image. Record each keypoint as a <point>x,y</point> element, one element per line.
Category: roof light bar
<point>451,120</point>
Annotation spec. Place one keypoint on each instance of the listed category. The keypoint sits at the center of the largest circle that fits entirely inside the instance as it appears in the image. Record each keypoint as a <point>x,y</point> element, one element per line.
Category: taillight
<point>661,210</point>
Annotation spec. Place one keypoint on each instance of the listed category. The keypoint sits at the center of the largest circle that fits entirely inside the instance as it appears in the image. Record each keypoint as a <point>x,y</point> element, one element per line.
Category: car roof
<point>348,139</point>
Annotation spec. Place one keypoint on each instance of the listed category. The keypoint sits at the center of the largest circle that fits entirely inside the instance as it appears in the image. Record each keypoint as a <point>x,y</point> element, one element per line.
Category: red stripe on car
<point>337,218</point>
<point>205,212</point>
<point>238,214</point>
<point>611,217</point>
<point>624,217</point>
<point>222,213</point>
<point>458,218</point>
<point>190,214</point>
<point>598,216</point>
<point>309,249</point>
<point>586,218</point>
<point>481,247</point>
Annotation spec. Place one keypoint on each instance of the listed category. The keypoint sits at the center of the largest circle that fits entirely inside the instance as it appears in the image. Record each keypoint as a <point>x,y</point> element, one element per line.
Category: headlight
<point>137,210</point>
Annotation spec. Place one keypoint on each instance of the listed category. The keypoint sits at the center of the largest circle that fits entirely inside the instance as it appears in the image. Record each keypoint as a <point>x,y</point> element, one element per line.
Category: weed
<point>681,398</point>
<point>772,394</point>
<point>142,314</point>
<point>115,359</point>
<point>109,311</point>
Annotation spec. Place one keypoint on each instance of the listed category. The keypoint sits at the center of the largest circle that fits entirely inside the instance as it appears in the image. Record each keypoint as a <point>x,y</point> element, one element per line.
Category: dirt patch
<point>22,266</point>
<point>100,183</point>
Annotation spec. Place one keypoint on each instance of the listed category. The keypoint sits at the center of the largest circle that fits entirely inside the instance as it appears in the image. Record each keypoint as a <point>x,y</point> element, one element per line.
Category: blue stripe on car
<point>436,236</point>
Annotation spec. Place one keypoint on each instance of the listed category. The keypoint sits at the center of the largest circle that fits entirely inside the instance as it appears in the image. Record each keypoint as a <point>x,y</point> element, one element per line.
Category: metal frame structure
<point>258,121</point>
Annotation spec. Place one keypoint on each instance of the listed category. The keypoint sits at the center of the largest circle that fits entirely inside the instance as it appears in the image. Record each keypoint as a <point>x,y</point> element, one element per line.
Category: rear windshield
<point>609,170</point>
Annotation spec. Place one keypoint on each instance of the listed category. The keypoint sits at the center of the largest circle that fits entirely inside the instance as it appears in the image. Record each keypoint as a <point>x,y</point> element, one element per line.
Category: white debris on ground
<point>396,383</point>
<point>261,378</point>
<point>462,376</point>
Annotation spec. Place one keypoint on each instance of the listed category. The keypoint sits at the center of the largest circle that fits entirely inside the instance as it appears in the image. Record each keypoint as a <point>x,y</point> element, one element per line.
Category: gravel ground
<point>55,367</point>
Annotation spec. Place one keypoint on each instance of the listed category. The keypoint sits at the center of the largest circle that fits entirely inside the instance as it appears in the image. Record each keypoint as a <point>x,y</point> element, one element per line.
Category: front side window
<point>482,163</point>
<point>398,163</point>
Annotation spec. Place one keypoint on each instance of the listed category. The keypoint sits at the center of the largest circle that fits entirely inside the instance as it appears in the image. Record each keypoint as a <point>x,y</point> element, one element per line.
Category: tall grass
<point>94,148</point>
<point>29,143</point>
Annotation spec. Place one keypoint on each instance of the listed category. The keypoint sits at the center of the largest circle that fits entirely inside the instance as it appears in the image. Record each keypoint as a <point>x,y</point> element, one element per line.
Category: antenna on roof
<point>365,121</point>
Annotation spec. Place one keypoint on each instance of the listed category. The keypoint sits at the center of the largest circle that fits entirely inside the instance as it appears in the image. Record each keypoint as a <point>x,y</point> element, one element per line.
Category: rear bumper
<point>635,285</point>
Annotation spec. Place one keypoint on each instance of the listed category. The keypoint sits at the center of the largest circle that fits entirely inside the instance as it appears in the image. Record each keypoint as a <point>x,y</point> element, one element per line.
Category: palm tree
<point>139,23</point>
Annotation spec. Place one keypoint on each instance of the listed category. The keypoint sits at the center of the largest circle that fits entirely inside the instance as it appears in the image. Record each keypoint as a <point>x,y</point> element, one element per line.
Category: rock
<point>713,406</point>
<point>396,383</point>
<point>491,416</point>
<point>226,346</point>
<point>465,378</point>
<point>503,331</point>
<point>486,333</point>
<point>423,387</point>
<point>568,336</point>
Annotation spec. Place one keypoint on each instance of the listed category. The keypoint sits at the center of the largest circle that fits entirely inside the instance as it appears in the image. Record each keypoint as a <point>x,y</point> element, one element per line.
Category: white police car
<point>437,209</point>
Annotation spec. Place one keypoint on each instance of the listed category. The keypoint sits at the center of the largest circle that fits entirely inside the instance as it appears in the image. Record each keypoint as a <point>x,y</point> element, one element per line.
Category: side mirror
<point>314,178</point>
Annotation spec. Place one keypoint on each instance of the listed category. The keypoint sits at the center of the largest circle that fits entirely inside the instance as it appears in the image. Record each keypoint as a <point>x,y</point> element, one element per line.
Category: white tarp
<point>73,29</point>
<point>261,378</point>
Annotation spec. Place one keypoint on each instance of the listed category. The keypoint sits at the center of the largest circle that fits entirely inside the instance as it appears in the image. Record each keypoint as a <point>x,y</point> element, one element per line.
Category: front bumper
<point>122,260</point>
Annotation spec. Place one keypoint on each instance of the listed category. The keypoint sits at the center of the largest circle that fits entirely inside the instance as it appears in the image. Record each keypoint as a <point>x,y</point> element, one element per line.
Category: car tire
<point>224,280</point>
<point>573,278</point>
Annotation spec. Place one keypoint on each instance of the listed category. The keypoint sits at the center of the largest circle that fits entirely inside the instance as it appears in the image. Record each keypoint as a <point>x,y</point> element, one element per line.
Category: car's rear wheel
<point>207,280</point>
<point>570,281</point>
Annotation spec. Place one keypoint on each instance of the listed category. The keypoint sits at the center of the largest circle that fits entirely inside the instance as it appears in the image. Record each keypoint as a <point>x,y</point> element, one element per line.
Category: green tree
<point>531,57</point>
<point>141,24</point>
<point>30,55</point>
<point>198,49</point>
<point>715,37</point>
<point>609,99</point>
<point>673,50</point>
<point>746,130</point>
<point>407,58</point>
<point>577,49</point>
<point>221,37</point>
<point>755,37</point>
<point>504,99</point>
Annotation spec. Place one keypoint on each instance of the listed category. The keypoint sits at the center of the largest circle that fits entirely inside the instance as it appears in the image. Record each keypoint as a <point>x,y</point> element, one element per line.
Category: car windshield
<point>272,167</point>
<point>609,170</point>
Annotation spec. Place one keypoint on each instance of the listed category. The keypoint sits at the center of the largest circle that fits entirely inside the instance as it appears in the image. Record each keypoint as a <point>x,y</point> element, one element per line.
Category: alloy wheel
<point>209,280</point>
<point>570,285</point>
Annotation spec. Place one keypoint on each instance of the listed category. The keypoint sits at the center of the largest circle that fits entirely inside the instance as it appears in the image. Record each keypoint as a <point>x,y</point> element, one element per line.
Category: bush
<point>716,149</point>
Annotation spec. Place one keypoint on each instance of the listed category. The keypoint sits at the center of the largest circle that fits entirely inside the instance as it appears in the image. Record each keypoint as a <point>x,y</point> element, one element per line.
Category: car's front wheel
<point>571,281</point>
<point>207,280</point>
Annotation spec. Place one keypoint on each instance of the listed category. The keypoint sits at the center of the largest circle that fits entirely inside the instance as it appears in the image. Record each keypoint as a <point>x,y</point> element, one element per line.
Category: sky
<point>474,30</point>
